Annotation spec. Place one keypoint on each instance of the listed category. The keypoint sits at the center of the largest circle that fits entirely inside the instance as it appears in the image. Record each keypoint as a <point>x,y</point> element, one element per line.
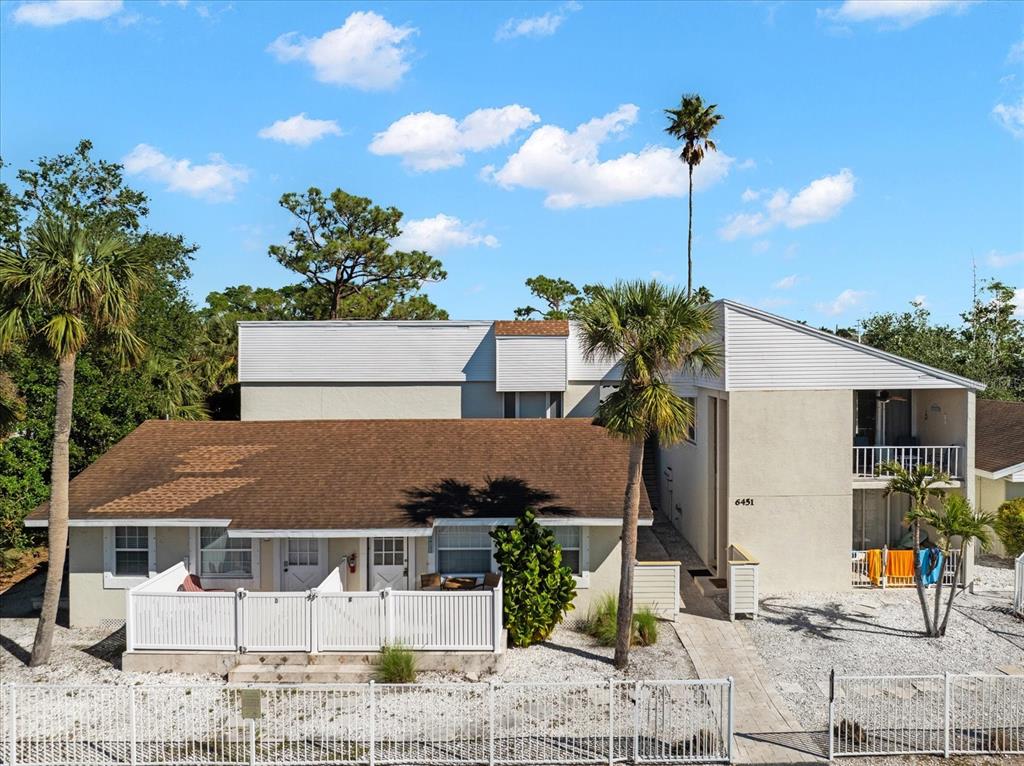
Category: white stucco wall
<point>789,455</point>
<point>341,401</point>
<point>605,564</point>
<point>581,399</point>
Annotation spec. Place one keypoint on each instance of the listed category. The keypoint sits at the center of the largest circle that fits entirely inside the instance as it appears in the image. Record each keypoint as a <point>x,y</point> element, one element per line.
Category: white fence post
<point>134,742</point>
<point>129,620</point>
<point>311,618</point>
<point>831,715</point>
<point>12,711</point>
<point>611,721</point>
<point>252,743</point>
<point>490,726</point>
<point>945,715</point>
<point>730,730</point>
<point>239,621</point>
<point>373,728</point>
<point>498,611</point>
<point>636,721</point>
<point>389,616</point>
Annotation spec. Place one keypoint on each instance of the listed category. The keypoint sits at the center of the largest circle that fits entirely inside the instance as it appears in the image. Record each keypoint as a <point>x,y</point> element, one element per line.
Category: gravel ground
<point>802,636</point>
<point>993,573</point>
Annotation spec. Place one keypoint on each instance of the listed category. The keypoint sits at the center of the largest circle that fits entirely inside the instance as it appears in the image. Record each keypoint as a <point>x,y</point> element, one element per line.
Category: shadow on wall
<point>503,497</point>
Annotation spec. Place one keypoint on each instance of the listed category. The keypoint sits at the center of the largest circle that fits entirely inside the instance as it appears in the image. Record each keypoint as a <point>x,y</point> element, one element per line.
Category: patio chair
<point>431,581</point>
<point>491,580</point>
<point>192,584</point>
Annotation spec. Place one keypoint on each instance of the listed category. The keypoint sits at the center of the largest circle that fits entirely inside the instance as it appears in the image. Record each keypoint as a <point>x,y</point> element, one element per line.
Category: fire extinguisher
<point>352,563</point>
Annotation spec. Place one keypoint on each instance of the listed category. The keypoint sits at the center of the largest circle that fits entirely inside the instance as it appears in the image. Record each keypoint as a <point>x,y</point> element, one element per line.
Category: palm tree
<point>692,123</point>
<point>653,331</point>
<point>955,519</point>
<point>919,484</point>
<point>67,287</point>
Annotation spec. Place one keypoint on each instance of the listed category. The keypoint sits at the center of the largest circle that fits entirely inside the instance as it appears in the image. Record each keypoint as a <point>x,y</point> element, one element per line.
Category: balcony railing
<point>868,460</point>
<point>887,576</point>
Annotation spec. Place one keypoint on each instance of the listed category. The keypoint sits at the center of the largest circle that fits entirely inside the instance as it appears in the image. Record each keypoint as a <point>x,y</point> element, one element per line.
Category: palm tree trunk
<point>60,469</point>
<point>938,594</point>
<point>952,588</point>
<point>689,239</point>
<point>630,515</point>
<point>918,581</point>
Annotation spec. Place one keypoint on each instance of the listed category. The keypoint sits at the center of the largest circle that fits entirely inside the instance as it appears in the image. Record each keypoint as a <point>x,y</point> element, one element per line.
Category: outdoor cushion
<point>191,584</point>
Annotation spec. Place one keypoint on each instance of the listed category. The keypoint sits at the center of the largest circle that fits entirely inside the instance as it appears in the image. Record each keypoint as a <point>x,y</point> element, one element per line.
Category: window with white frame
<point>223,556</point>
<point>129,555</point>
<point>571,540</point>
<point>463,550</point>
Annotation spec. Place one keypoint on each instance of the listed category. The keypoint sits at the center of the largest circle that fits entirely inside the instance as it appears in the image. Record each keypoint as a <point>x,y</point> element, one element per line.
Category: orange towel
<point>901,565</point>
<point>875,566</point>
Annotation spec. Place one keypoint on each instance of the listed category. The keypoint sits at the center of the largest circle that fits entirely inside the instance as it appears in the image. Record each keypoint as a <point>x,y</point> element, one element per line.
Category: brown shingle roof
<point>999,434</point>
<point>552,327</point>
<point>354,474</point>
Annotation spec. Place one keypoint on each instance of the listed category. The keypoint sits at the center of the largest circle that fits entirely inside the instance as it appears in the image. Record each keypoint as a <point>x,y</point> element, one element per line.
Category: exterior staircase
<point>297,668</point>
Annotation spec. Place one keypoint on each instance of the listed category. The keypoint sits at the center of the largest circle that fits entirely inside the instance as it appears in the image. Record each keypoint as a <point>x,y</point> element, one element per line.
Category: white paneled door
<point>303,562</point>
<point>389,563</point>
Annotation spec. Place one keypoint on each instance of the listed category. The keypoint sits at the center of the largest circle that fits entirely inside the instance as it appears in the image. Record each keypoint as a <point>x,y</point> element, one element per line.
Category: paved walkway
<point>766,730</point>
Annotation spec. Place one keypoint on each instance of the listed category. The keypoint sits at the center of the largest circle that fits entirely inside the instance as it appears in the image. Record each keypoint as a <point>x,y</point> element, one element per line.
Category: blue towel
<point>929,564</point>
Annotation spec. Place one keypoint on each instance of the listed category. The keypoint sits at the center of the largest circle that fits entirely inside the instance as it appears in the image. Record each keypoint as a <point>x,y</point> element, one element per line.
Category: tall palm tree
<point>67,287</point>
<point>955,519</point>
<point>653,331</point>
<point>919,483</point>
<point>692,123</point>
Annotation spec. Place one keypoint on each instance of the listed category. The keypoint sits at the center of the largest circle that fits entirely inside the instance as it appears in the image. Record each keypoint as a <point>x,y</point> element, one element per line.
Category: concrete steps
<point>293,673</point>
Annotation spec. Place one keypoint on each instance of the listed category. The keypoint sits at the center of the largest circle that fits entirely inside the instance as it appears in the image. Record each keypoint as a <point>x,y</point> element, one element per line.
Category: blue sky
<point>869,150</point>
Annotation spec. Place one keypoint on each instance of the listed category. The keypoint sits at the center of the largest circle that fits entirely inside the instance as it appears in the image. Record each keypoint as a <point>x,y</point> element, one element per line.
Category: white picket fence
<point>457,723</point>
<point>324,619</point>
<point>928,714</point>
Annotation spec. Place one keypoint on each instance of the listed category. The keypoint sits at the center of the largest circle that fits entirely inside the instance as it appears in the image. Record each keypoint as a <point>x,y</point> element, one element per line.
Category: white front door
<point>303,562</point>
<point>389,559</point>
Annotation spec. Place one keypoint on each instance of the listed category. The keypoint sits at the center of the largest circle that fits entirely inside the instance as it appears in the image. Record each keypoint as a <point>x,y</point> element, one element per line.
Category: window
<point>303,552</point>
<point>388,551</point>
<point>510,404</point>
<point>571,540</point>
<point>691,431</point>
<point>131,551</point>
<point>223,556</point>
<point>129,555</point>
<point>463,550</point>
<point>555,404</point>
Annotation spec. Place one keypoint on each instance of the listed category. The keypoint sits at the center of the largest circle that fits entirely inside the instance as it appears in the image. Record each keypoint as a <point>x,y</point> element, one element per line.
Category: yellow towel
<point>875,566</point>
<point>901,565</point>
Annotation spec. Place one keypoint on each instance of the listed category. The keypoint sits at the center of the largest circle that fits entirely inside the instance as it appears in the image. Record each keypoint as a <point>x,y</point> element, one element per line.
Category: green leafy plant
<point>538,588</point>
<point>601,623</point>
<point>1009,525</point>
<point>397,665</point>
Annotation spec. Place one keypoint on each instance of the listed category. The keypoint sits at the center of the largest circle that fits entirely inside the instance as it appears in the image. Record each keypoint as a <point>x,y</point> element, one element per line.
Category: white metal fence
<point>326,619</point>
<point>458,723</point>
<point>943,715</point>
<point>861,576</point>
<point>1018,586</point>
<point>866,460</point>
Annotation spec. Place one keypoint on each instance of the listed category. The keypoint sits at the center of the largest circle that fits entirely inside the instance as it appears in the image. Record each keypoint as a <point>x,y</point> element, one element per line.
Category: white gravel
<point>993,573</point>
<point>802,636</point>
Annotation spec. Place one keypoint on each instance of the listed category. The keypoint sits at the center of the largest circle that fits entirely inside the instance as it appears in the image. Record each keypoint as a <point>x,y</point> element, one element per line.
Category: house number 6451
<point>744,501</point>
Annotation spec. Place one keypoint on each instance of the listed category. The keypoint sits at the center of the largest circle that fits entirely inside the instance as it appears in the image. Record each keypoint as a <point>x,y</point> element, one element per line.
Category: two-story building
<point>376,448</point>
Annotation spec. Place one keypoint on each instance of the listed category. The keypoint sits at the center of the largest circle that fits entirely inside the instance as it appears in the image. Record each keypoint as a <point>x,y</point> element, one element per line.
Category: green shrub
<point>397,665</point>
<point>1010,526</point>
<point>538,589</point>
<point>601,623</point>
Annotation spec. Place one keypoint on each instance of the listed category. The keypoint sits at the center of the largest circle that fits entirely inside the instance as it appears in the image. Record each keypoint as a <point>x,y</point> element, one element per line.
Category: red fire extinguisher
<point>352,563</point>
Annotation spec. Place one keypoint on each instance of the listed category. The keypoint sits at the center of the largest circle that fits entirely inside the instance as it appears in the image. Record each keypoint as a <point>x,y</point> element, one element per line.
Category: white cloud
<point>761,246</point>
<point>1018,301</point>
<point>749,195</point>
<point>786,282</point>
<point>566,166</point>
<point>365,52</point>
<point>442,232</point>
<point>1011,117</point>
<point>300,130</point>
<point>215,181</point>
<point>747,164</point>
<point>53,13</point>
<point>845,301</point>
<point>429,141</point>
<point>898,13</point>
<point>1001,260</point>
<point>920,300</point>
<point>661,276</point>
<point>537,26</point>
<point>1016,52</point>
<point>819,201</point>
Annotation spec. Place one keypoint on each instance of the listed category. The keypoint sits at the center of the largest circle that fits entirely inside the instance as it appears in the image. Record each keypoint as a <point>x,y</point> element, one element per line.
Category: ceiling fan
<point>886,396</point>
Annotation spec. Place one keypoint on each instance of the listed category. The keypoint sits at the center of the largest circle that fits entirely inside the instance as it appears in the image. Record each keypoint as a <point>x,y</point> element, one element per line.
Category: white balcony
<point>868,461</point>
<point>324,619</point>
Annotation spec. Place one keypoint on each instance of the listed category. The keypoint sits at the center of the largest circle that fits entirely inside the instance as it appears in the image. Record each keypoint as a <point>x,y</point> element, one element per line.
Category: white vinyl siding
<point>527,363</point>
<point>358,352</point>
<point>579,368</point>
<point>764,354</point>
